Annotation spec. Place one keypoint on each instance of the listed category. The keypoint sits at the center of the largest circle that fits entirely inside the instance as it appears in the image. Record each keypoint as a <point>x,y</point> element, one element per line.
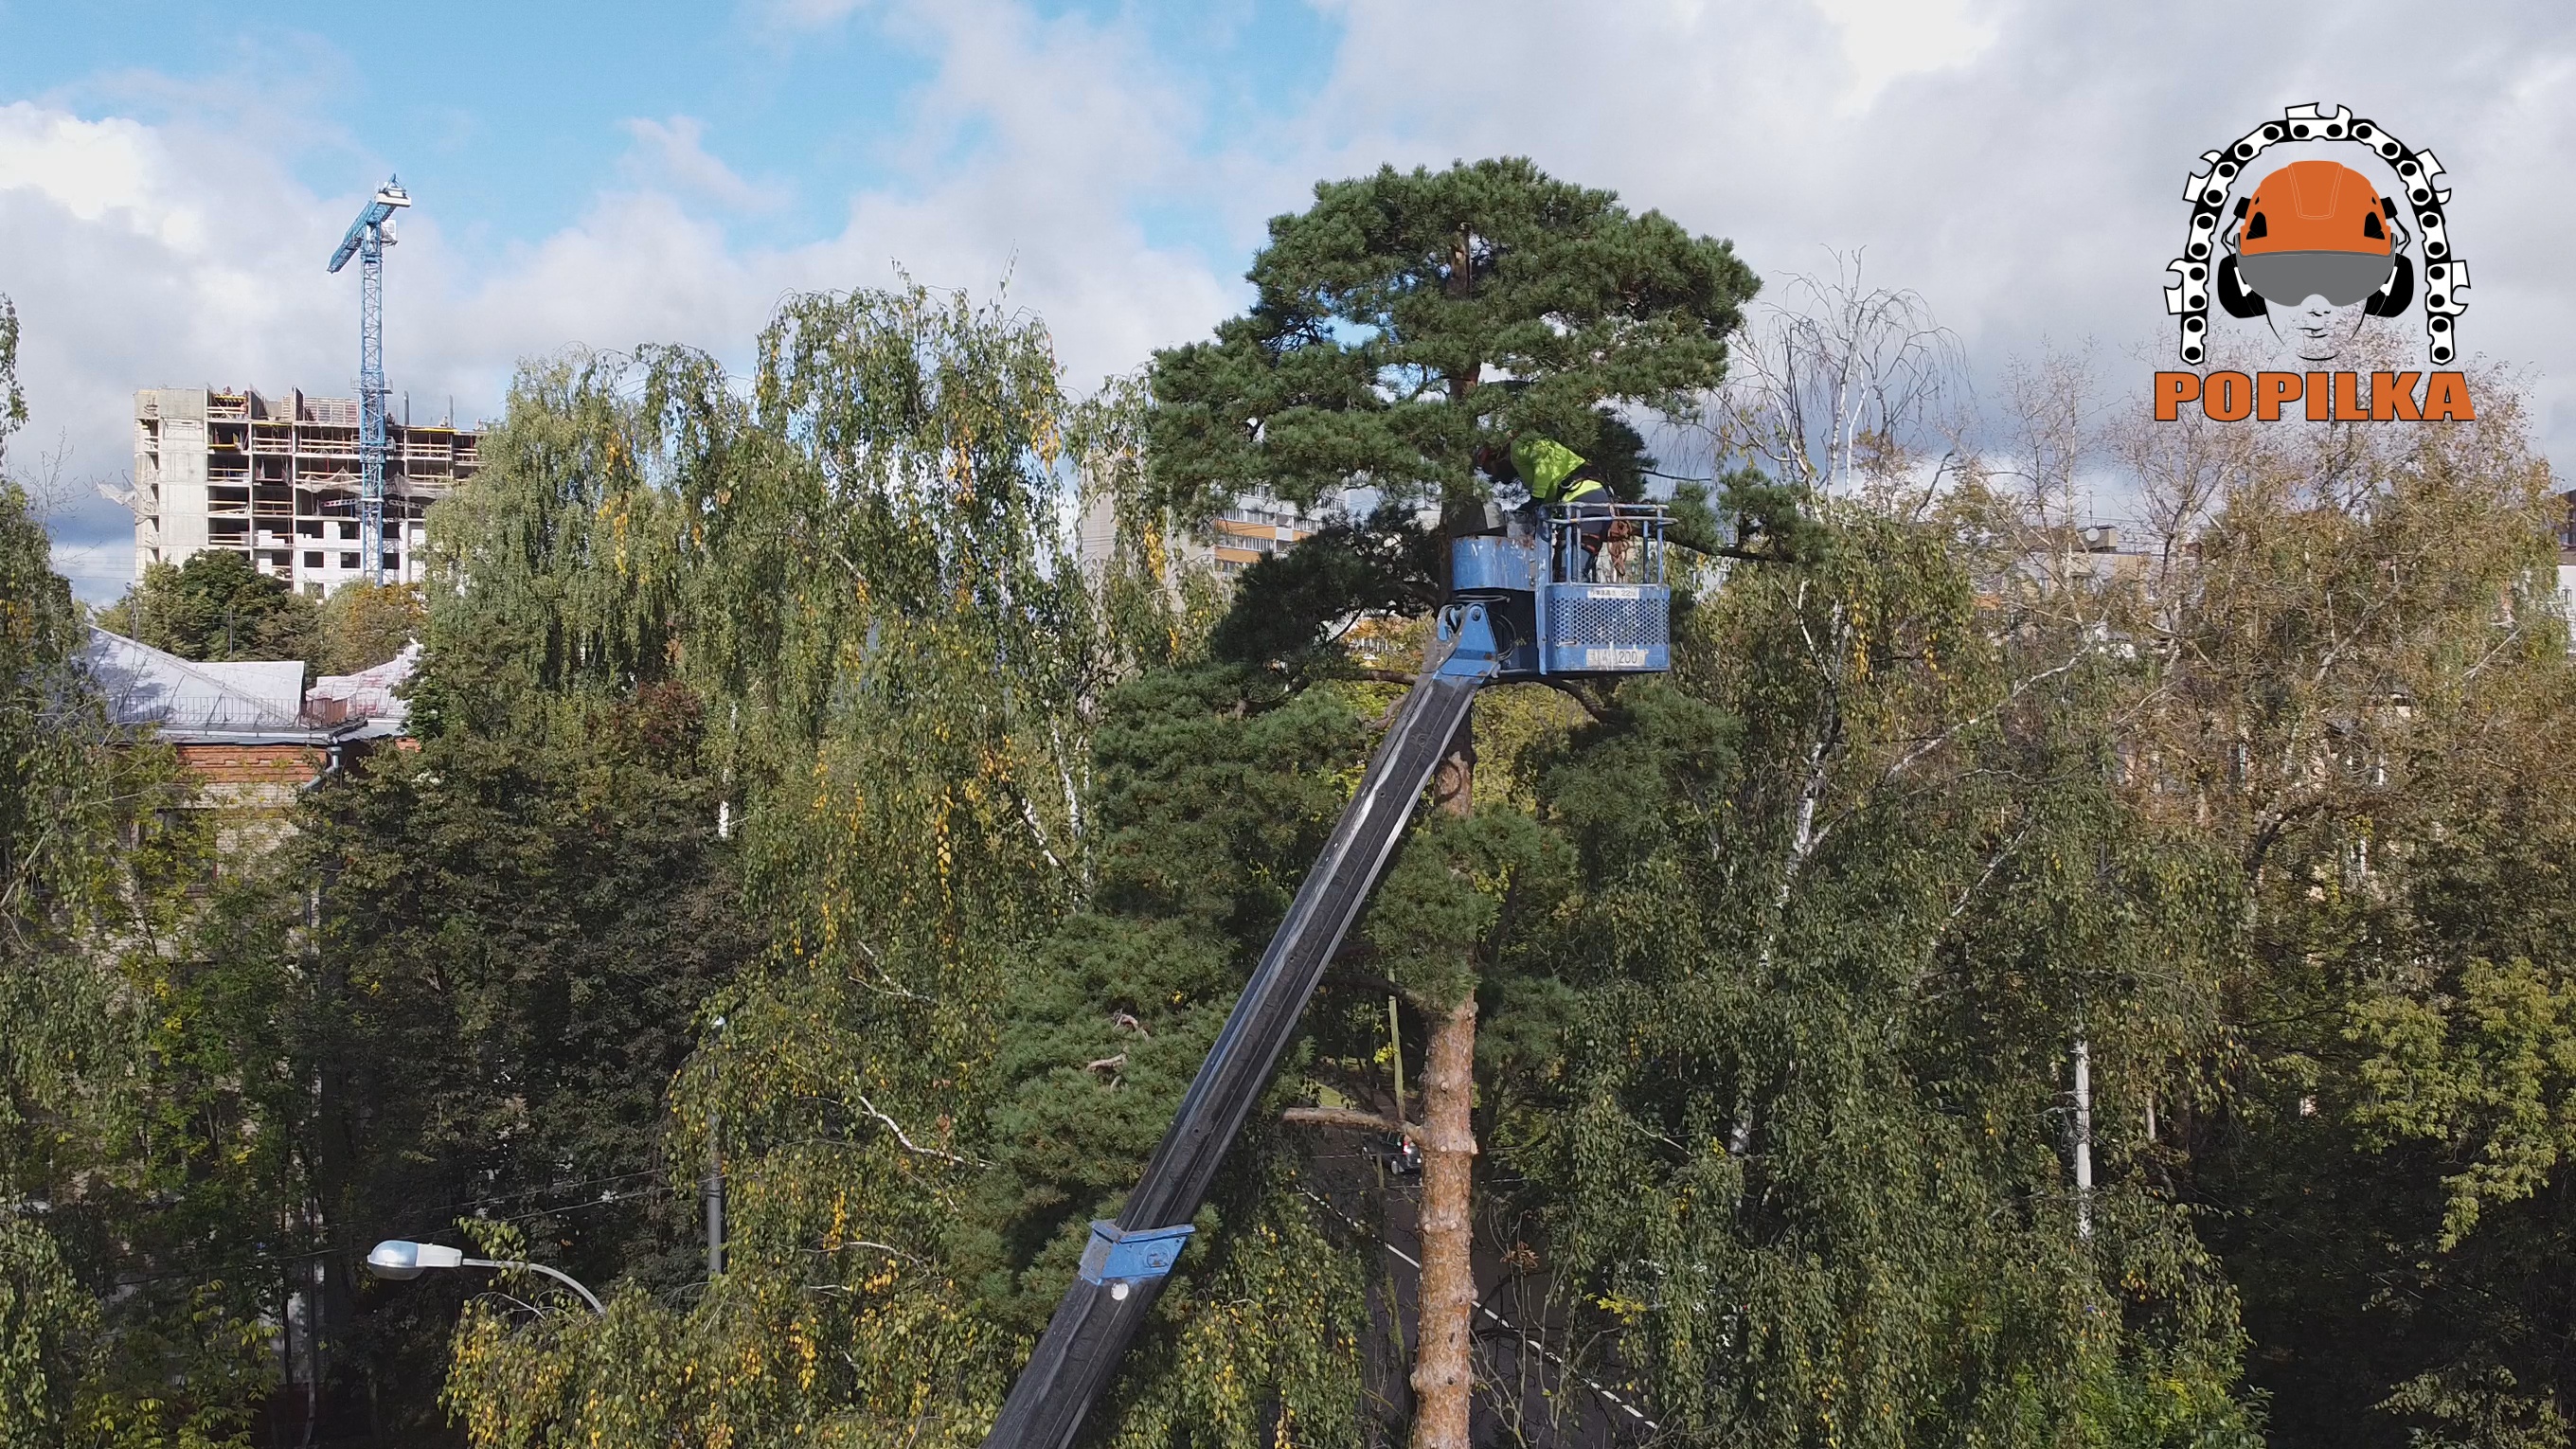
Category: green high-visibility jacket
<point>1545,464</point>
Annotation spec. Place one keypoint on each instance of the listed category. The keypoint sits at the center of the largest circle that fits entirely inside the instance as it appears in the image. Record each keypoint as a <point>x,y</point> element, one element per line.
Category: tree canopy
<point>1990,991</point>
<point>215,606</point>
<point>1408,320</point>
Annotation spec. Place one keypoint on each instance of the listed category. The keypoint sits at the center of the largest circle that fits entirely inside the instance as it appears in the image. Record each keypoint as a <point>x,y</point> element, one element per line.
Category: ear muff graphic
<point>2394,294</point>
<point>2232,293</point>
<point>2316,228</point>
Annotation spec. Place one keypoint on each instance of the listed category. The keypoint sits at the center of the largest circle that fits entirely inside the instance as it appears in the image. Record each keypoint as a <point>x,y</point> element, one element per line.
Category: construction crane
<point>368,237</point>
<point>1522,607</point>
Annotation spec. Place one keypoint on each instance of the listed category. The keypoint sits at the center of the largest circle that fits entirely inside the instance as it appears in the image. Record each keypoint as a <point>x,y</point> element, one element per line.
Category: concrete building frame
<point>277,479</point>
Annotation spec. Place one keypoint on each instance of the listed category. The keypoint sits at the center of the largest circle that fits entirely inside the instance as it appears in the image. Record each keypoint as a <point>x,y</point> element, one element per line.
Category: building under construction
<point>278,479</point>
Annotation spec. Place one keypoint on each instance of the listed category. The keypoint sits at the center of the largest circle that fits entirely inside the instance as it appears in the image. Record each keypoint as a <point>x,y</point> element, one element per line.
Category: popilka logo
<point>2315,250</point>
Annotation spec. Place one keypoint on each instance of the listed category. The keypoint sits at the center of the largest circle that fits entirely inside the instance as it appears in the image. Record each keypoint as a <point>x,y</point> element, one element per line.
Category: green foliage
<point>2487,1066</point>
<point>94,866</point>
<point>857,567</point>
<point>361,625</point>
<point>2487,1407</point>
<point>43,750</point>
<point>13,400</point>
<point>1288,606</point>
<point>521,932</point>
<point>48,1329</point>
<point>1807,1168</point>
<point>215,606</point>
<point>2365,689</point>
<point>1214,792</point>
<point>1383,308</point>
<point>1750,515</point>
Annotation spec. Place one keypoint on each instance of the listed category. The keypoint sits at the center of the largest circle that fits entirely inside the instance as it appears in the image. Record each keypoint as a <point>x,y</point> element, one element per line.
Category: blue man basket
<point>1559,610</point>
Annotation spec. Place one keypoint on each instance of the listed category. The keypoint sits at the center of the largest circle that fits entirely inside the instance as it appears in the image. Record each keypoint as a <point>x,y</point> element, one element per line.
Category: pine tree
<point>1386,313</point>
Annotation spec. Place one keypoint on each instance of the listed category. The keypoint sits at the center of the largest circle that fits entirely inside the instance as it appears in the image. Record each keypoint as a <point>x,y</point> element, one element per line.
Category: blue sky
<point>506,117</point>
<point>172,177</point>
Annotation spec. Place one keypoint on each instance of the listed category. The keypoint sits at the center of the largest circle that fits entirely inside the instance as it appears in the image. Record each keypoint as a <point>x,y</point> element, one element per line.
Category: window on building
<point>348,530</point>
<point>348,560</point>
<point>313,560</point>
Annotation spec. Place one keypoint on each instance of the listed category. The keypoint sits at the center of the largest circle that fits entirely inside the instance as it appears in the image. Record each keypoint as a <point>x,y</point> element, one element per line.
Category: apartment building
<point>277,479</point>
<point>1226,545</point>
<point>1243,536</point>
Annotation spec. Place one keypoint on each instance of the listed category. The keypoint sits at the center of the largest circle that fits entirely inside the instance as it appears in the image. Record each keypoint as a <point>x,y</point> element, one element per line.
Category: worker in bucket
<point>1555,475</point>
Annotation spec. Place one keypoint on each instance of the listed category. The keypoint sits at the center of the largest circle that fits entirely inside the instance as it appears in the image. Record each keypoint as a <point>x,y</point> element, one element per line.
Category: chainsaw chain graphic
<point>2445,276</point>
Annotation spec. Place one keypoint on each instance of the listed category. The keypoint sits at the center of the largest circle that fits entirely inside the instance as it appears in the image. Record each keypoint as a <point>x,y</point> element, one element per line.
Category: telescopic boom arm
<point>1583,597</point>
<point>1123,1269</point>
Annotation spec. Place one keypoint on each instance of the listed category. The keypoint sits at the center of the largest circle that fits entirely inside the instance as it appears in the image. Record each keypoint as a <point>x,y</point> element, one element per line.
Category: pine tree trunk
<point>1444,1376</point>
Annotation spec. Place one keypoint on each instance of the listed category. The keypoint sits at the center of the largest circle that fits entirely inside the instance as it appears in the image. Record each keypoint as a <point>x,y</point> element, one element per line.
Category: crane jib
<point>368,237</point>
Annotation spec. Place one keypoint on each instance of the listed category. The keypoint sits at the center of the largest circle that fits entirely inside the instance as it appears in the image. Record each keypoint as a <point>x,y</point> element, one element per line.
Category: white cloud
<point>1884,40</point>
<point>98,171</point>
<point>674,152</point>
<point>2015,161</point>
<point>1049,132</point>
<point>806,14</point>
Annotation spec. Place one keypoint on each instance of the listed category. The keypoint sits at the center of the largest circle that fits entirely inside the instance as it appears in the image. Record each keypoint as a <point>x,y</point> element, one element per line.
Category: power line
<point>1607,1396</point>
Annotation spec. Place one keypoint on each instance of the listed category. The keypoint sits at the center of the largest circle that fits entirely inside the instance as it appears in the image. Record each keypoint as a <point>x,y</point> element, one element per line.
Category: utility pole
<point>2083,1137</point>
<point>713,1191</point>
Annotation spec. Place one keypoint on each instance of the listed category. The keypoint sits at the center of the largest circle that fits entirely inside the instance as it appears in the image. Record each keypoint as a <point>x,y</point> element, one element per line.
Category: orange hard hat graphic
<point>2316,228</point>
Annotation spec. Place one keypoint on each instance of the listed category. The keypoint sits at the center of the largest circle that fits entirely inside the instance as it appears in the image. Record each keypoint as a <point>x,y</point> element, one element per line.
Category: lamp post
<point>712,1189</point>
<point>402,1261</point>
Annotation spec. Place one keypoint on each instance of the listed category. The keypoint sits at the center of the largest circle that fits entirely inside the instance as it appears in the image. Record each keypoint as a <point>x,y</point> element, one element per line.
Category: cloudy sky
<point>173,178</point>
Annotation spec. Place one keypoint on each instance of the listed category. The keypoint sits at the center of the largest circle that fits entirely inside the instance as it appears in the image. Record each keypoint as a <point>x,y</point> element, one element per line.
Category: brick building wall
<point>289,765</point>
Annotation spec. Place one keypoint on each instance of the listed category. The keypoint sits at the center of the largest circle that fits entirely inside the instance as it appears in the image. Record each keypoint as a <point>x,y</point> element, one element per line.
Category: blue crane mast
<point>368,237</point>
<point>1522,606</point>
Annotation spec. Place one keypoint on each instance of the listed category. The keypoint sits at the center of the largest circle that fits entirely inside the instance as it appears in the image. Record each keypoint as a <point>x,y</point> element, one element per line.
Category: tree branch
<point>1737,551</point>
<point>1353,1120</point>
<point>1575,692</point>
<point>905,1138</point>
<point>1934,742</point>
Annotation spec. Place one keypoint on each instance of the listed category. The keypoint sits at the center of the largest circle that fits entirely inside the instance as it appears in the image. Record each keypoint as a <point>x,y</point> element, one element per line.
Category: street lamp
<point>402,1262</point>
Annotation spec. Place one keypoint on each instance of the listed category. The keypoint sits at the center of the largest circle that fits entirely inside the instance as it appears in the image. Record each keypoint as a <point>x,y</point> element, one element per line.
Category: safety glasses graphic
<point>2287,279</point>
